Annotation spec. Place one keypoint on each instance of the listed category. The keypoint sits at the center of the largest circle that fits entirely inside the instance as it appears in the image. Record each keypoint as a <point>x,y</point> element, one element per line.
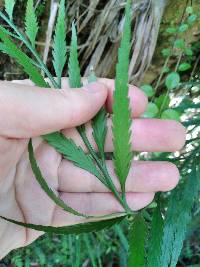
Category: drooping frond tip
<point>31,23</point>
<point>73,66</point>
<point>59,44</point>
<point>9,7</point>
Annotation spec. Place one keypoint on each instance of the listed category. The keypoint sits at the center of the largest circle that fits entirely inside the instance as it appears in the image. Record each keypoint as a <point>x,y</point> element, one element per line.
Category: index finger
<point>138,99</point>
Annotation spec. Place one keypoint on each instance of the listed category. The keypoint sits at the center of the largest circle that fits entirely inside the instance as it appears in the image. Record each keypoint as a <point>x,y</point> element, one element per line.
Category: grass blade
<point>77,262</point>
<point>74,69</point>
<point>9,6</point>
<point>72,229</point>
<point>90,250</point>
<point>155,239</point>
<point>121,111</point>
<point>31,23</point>
<point>122,238</point>
<point>39,177</point>
<point>138,235</point>
<point>59,44</point>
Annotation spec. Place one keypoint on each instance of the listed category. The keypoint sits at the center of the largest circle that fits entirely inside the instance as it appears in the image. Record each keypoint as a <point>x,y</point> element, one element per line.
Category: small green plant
<point>155,237</point>
<point>178,47</point>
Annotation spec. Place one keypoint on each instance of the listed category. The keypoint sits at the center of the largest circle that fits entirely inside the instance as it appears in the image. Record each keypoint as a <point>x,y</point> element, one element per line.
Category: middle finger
<point>143,177</point>
<point>148,135</point>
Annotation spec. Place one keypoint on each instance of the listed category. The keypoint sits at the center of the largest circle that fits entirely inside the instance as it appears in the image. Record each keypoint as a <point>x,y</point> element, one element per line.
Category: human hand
<point>28,111</point>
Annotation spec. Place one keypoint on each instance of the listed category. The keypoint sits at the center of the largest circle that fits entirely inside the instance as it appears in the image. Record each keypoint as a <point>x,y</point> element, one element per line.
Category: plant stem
<point>104,171</point>
<point>33,51</point>
<point>163,103</point>
<point>178,62</point>
<point>161,75</point>
<point>127,208</point>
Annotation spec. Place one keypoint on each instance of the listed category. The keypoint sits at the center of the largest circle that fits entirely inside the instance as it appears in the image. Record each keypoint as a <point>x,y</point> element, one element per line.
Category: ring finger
<point>144,177</point>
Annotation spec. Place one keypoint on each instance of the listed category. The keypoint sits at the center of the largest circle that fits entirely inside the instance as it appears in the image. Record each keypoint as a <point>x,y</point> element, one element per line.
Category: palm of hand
<point>22,198</point>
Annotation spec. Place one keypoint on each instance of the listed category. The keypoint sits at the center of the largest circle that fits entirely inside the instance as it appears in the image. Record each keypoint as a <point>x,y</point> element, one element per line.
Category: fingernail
<point>94,87</point>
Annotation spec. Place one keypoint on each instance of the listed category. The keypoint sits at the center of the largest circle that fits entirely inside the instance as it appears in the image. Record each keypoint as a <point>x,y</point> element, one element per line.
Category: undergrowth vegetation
<point>154,236</point>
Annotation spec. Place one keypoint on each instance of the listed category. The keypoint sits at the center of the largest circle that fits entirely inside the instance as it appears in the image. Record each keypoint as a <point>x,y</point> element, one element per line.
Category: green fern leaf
<point>137,240</point>
<point>8,47</point>
<point>62,144</point>
<point>71,152</point>
<point>73,66</point>
<point>121,111</point>
<point>100,130</point>
<point>99,125</point>
<point>39,177</point>
<point>75,82</point>
<point>59,44</point>
<point>31,22</point>
<point>178,217</point>
<point>155,239</point>
<point>72,229</point>
<point>9,6</point>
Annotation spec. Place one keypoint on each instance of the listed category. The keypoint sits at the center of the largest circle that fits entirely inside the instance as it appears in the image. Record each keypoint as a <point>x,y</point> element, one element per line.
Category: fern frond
<point>73,66</point>
<point>121,110</point>
<point>59,44</point>
<point>71,229</point>
<point>31,23</point>
<point>9,7</point>
<point>99,125</point>
<point>9,47</point>
<point>100,129</point>
<point>178,217</point>
<point>73,153</point>
<point>39,177</point>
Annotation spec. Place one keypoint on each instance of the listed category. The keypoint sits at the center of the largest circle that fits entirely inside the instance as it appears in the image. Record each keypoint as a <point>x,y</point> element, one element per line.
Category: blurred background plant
<point>165,63</point>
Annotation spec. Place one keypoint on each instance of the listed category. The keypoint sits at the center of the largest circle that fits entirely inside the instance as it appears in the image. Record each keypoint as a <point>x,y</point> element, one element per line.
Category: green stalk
<point>163,103</point>
<point>33,51</point>
<point>161,76</point>
<point>104,171</point>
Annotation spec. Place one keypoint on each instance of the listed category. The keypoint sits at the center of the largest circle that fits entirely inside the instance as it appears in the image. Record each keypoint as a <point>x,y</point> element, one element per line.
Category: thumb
<point>28,111</point>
